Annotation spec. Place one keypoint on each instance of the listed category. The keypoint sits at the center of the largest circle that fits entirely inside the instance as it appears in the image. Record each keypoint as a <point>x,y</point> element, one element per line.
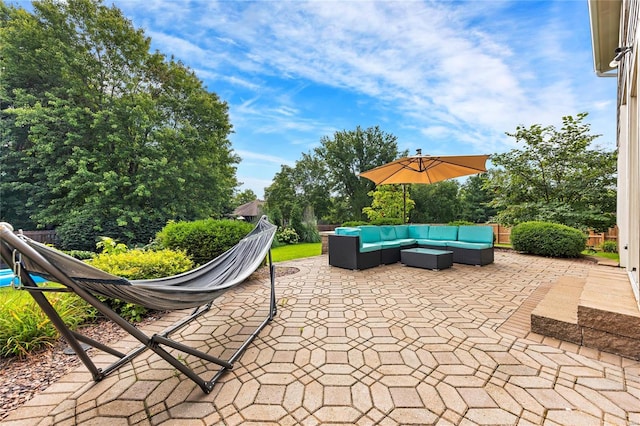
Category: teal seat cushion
<point>369,234</point>
<point>419,231</point>
<point>402,231</point>
<point>367,247</point>
<point>343,230</point>
<point>390,244</point>
<point>387,233</point>
<point>406,241</point>
<point>432,243</point>
<point>475,234</point>
<point>443,233</point>
<point>465,245</point>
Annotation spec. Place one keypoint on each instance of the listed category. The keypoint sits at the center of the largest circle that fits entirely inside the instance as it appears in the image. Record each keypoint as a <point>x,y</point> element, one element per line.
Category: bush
<point>25,328</point>
<point>610,247</point>
<point>309,233</point>
<point>81,232</point>
<point>81,254</point>
<point>548,239</point>
<point>460,223</point>
<point>139,265</point>
<point>203,240</point>
<point>387,221</point>
<point>355,223</point>
<point>287,236</point>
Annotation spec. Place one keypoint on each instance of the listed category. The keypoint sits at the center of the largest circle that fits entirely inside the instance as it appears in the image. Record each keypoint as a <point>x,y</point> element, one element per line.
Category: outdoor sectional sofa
<point>367,246</point>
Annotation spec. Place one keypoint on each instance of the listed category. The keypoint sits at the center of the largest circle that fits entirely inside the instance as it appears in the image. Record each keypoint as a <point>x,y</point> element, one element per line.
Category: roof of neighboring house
<point>251,209</point>
<point>605,29</point>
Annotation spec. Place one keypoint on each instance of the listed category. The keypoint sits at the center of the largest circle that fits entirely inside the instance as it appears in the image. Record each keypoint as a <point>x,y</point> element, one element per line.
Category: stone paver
<point>389,345</point>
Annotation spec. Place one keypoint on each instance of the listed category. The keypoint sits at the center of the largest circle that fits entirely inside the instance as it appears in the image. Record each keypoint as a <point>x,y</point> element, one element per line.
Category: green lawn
<point>296,251</point>
<point>614,256</point>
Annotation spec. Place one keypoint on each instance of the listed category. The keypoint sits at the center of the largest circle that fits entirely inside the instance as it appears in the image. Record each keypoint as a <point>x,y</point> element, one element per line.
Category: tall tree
<point>101,131</point>
<point>280,196</point>
<point>436,203</point>
<point>556,177</point>
<point>352,152</point>
<point>475,197</point>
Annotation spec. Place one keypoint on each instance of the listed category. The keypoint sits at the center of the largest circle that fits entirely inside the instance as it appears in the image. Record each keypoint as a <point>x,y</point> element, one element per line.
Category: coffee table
<point>427,258</point>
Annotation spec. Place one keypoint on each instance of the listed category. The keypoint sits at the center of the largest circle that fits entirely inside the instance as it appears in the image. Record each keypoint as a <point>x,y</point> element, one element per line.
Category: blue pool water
<point>6,276</point>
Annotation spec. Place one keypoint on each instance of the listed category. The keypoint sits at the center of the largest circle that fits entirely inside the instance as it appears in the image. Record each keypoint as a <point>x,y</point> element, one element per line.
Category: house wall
<point>628,146</point>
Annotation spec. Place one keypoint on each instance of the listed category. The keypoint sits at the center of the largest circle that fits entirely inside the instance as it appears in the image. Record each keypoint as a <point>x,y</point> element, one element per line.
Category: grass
<point>606,255</point>
<point>25,328</point>
<point>296,251</point>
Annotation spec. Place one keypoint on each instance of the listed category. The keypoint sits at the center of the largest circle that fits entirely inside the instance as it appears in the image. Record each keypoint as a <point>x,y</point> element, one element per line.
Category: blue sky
<point>448,77</point>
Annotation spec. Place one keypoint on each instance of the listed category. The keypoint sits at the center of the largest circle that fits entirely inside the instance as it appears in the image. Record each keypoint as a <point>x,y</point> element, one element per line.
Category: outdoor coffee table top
<point>426,251</point>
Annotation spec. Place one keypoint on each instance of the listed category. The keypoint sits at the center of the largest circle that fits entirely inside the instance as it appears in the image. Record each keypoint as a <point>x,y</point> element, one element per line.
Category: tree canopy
<point>349,153</point>
<point>98,131</point>
<point>326,178</point>
<point>555,177</point>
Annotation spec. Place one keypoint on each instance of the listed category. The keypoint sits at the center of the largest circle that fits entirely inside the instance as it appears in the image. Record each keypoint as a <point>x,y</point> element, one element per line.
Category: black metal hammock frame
<point>194,289</point>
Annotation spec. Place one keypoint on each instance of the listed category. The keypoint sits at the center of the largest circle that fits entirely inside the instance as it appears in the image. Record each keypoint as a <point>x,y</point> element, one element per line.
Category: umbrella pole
<point>404,203</point>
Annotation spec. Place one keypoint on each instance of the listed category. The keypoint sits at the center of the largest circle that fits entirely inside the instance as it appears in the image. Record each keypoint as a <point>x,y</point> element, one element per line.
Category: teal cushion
<point>402,231</point>
<point>444,232</point>
<point>347,231</point>
<point>369,234</point>
<point>406,241</point>
<point>390,244</point>
<point>367,247</point>
<point>465,245</point>
<point>476,234</point>
<point>432,243</point>
<point>387,233</point>
<point>419,231</point>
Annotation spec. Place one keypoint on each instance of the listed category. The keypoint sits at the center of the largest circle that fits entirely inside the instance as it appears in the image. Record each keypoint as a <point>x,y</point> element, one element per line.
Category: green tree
<point>100,131</point>
<point>556,177</point>
<point>280,196</point>
<point>349,153</point>
<point>436,203</point>
<point>475,197</point>
<point>389,201</point>
<point>243,197</point>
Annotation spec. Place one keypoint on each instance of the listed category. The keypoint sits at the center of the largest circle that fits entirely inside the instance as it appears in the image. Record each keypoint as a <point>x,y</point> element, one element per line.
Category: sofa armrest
<point>344,252</point>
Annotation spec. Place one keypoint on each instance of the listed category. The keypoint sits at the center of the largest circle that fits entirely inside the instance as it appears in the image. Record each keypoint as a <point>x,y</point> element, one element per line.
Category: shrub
<point>548,239</point>
<point>308,228</point>
<point>81,254</point>
<point>387,221</point>
<point>610,247</point>
<point>460,222</point>
<point>309,233</point>
<point>81,232</point>
<point>355,223</point>
<point>25,328</point>
<point>138,265</point>
<point>203,240</point>
<point>287,236</point>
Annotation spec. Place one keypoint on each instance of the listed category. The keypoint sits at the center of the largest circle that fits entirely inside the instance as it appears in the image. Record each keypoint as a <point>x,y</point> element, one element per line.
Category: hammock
<point>194,289</point>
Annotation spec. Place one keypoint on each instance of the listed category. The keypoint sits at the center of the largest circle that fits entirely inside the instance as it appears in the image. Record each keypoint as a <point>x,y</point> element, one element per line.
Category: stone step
<point>599,311</point>
<point>557,313</point>
<point>608,313</point>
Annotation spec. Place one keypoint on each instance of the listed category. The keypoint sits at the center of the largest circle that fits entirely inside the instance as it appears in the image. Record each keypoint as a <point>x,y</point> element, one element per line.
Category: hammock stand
<point>29,257</point>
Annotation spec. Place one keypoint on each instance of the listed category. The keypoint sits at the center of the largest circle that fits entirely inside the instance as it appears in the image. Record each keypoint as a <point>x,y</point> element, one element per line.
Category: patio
<point>388,345</point>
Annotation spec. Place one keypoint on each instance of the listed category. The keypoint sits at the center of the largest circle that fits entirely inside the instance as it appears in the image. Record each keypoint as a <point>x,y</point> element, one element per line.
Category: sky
<point>448,77</point>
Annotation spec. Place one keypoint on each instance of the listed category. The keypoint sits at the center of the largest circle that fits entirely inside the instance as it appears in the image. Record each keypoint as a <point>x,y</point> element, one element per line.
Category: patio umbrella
<point>426,169</point>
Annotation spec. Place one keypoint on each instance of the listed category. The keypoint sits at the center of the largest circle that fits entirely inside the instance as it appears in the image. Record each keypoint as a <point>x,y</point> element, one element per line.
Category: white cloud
<point>458,73</point>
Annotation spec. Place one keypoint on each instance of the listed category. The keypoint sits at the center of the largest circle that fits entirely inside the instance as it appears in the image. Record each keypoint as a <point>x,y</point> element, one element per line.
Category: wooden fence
<point>45,237</point>
<point>502,236</point>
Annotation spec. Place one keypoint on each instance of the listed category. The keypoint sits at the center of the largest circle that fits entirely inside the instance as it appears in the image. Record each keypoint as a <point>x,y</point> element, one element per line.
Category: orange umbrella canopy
<point>426,169</point>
